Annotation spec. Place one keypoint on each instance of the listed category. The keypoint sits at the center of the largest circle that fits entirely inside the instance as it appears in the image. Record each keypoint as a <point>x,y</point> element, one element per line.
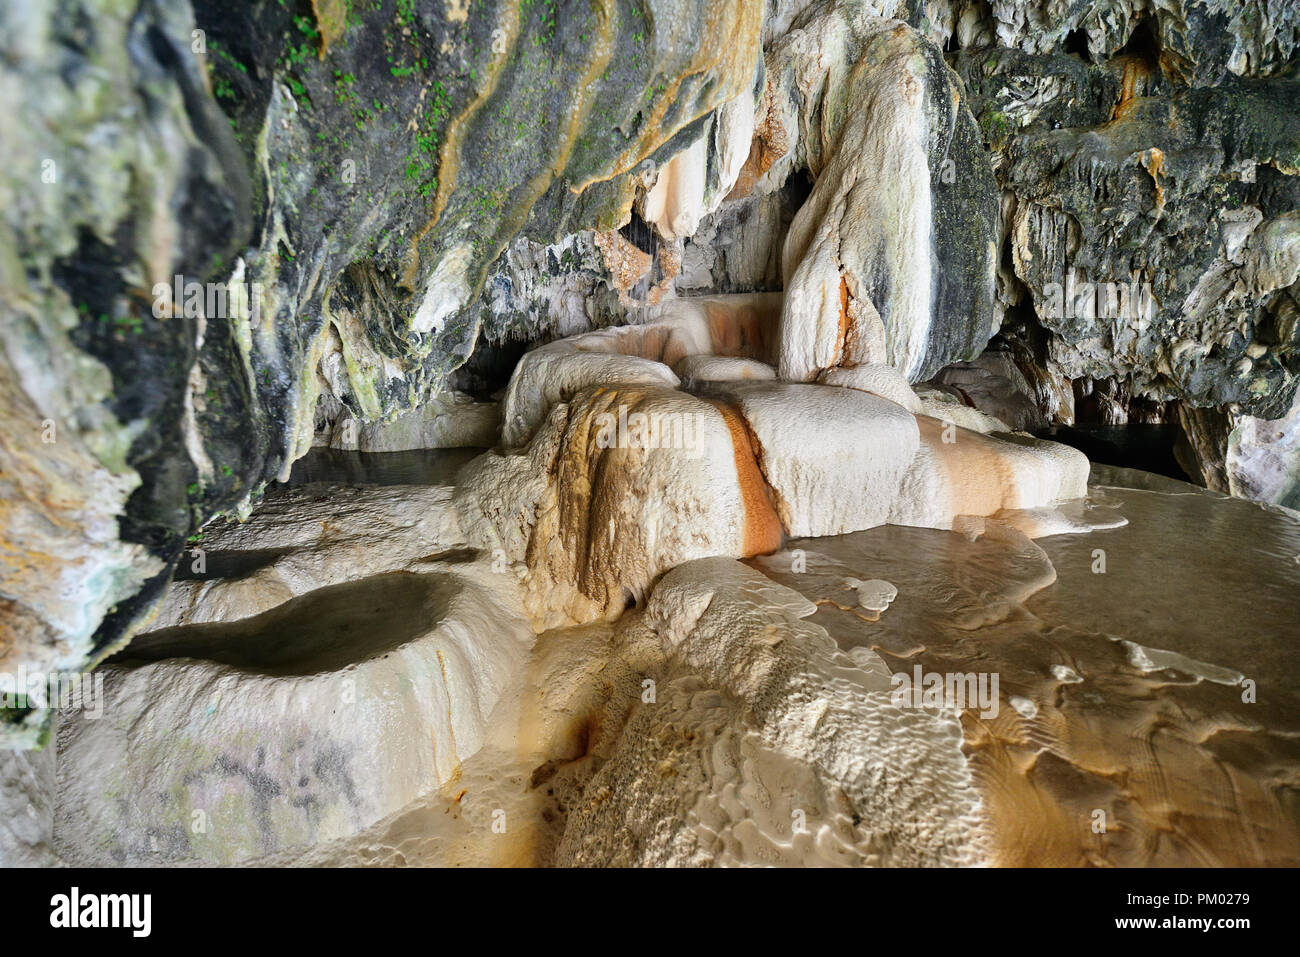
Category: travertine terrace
<point>557,433</point>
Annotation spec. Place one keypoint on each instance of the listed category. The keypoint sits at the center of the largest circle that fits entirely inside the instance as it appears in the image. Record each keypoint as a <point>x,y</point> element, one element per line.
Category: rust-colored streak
<point>1136,71</point>
<point>729,61</point>
<point>763,531</point>
<point>451,733</point>
<point>332,18</point>
<point>730,45</point>
<point>450,152</point>
<point>842,337</point>
<point>1153,160</point>
<point>751,172</point>
<point>768,145</point>
<point>739,330</point>
<point>626,263</point>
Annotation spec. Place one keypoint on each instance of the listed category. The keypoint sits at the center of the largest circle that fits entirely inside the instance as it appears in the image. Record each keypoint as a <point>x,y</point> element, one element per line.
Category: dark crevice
<point>1148,447</point>
<point>1143,44</point>
<point>488,368</point>
<point>639,233</point>
<point>797,188</point>
<point>1076,42</point>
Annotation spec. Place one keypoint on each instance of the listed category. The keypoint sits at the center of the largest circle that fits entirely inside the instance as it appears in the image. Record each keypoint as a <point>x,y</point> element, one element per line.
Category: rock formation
<point>887,261</point>
<point>623,478</point>
<point>419,410</point>
<point>332,169</point>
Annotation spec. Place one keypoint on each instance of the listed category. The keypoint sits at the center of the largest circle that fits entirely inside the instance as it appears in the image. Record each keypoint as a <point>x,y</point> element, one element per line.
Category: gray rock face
<point>1262,460</point>
<point>354,172</point>
<point>1148,163</point>
<point>1162,244</point>
<point>26,797</point>
<point>391,183</point>
<point>1202,42</point>
<point>120,171</point>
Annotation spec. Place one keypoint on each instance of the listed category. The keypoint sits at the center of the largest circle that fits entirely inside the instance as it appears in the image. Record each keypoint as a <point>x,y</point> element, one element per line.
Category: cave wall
<point>400,182</point>
<point>354,167</point>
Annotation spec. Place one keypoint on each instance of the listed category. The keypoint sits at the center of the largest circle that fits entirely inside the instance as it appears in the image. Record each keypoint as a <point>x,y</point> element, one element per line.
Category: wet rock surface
<point>426,422</point>
<point>354,169</point>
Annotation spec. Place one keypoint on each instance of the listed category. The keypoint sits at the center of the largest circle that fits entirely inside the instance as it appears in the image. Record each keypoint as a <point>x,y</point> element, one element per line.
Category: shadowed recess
<point>324,630</point>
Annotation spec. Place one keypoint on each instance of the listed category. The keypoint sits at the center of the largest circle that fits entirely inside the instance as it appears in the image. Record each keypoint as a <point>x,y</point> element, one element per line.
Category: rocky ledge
<point>394,388</point>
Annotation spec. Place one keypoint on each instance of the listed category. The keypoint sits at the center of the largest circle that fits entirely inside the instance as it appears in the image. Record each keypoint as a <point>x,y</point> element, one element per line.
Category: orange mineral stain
<point>763,531</point>
<point>1154,162</point>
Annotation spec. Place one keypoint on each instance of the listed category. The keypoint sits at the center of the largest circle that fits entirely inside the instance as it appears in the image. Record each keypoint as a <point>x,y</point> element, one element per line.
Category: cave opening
<point>640,234</point>
<point>798,187</point>
<point>489,366</point>
<point>1143,45</point>
<point>1114,427</point>
<point>1076,43</point>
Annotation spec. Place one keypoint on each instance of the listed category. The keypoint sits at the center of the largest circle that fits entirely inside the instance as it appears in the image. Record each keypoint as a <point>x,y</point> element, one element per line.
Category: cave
<point>653,433</point>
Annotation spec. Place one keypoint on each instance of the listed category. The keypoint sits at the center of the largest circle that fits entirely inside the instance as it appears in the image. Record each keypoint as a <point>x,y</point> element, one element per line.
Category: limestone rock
<point>27,801</point>
<point>993,384</point>
<point>835,458</point>
<point>1201,43</point>
<point>459,422</point>
<point>736,326</point>
<point>1206,434</point>
<point>815,767</point>
<point>902,186</point>
<point>695,181</point>
<point>888,383</point>
<point>621,484</point>
<point>1187,264</point>
<point>355,180</point>
<point>960,472</point>
<point>1263,459</point>
<point>875,595</point>
<point>304,539</point>
<point>108,134</point>
<point>554,373</point>
<point>697,371</point>
<point>304,723</point>
<point>839,460</point>
<point>878,378</point>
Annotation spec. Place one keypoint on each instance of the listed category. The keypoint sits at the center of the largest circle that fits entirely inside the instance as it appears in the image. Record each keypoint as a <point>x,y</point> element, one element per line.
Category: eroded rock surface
<point>887,261</point>
<point>296,693</point>
<point>665,368</point>
<point>353,170</point>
